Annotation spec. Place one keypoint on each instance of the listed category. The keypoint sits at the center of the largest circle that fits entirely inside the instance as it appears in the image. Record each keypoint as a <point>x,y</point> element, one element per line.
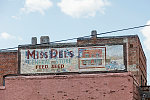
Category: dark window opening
<point>131,45</point>
<point>141,80</point>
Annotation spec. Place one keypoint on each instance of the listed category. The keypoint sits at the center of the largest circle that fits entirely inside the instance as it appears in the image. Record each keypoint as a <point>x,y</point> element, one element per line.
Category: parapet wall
<point>103,86</point>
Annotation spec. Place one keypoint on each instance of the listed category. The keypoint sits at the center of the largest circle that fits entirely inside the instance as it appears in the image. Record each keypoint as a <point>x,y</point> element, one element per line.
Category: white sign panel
<point>74,59</point>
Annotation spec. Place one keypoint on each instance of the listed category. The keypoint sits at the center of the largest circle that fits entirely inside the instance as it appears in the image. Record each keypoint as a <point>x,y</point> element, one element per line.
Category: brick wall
<point>104,86</point>
<point>8,64</point>
<point>2,93</point>
<point>136,60</point>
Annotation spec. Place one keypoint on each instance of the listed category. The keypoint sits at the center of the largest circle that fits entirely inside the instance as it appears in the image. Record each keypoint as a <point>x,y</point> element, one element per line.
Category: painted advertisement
<point>51,60</point>
<point>73,59</point>
<point>92,57</point>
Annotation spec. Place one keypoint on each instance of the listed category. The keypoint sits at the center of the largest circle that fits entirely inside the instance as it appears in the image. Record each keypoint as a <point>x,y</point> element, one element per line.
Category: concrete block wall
<point>106,86</point>
<point>8,64</point>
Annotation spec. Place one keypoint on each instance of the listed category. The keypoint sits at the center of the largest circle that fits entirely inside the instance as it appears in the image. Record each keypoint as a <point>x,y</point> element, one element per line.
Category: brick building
<point>8,64</point>
<point>85,83</point>
<point>136,59</point>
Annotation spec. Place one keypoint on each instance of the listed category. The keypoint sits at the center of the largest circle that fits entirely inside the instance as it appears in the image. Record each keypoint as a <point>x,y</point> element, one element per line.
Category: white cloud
<point>36,6</point>
<point>7,36</point>
<point>146,33</point>
<point>16,17</point>
<point>83,8</point>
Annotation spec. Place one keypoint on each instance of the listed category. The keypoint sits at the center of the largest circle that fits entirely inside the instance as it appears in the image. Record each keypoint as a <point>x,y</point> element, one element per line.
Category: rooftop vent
<point>44,39</point>
<point>94,34</point>
<point>34,40</point>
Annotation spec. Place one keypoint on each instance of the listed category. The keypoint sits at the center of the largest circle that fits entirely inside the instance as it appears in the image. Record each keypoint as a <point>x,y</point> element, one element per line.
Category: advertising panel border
<point>82,46</point>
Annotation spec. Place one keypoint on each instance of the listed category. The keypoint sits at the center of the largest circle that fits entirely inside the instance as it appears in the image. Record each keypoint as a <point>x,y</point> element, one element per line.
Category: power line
<point>124,29</point>
<point>103,33</point>
<point>131,28</point>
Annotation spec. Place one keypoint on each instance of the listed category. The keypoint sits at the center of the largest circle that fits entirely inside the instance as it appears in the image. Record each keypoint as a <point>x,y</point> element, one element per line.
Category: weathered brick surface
<point>136,60</point>
<point>2,93</point>
<point>8,64</point>
<point>106,86</point>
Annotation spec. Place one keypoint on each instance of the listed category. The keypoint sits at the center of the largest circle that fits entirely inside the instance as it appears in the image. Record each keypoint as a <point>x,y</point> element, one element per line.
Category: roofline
<point>48,44</point>
<point>74,43</point>
<point>108,37</point>
<point>1,51</point>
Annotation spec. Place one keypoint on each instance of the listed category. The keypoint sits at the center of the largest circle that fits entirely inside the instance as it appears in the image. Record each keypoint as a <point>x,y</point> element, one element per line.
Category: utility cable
<point>131,28</point>
<point>104,33</point>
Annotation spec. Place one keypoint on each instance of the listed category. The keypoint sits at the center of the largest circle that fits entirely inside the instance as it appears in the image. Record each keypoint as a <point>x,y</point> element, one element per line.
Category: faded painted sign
<point>73,59</point>
<point>51,60</point>
<point>92,57</point>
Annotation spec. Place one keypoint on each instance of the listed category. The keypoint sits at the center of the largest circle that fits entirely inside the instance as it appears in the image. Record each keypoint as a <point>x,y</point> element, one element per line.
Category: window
<point>141,80</point>
<point>97,54</point>
<point>131,45</point>
<point>87,55</point>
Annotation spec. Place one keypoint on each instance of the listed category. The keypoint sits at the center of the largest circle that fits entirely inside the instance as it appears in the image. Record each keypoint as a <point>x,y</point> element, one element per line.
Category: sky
<point>62,19</point>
